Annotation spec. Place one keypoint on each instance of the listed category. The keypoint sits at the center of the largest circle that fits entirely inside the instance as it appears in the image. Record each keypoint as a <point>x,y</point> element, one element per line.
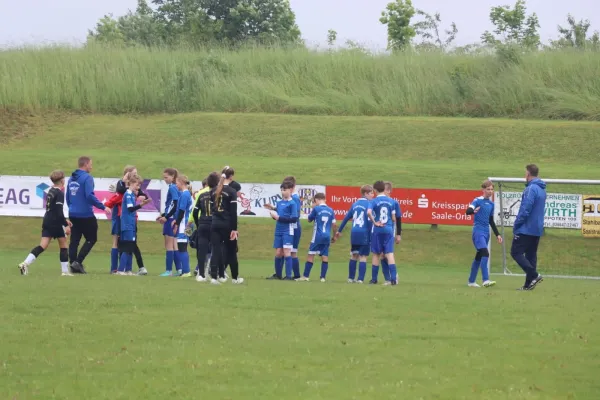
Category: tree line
<point>234,22</point>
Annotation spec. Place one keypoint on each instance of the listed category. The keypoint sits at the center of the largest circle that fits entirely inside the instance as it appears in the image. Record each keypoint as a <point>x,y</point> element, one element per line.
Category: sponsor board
<point>418,206</point>
<point>562,210</point>
<point>590,224</point>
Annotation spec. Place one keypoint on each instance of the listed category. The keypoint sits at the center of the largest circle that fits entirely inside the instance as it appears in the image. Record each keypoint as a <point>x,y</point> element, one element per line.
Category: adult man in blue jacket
<point>81,201</point>
<point>529,226</point>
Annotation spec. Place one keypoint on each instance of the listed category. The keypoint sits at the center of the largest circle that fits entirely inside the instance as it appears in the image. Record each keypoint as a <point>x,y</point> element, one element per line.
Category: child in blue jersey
<point>286,215</point>
<point>482,208</point>
<point>323,217</point>
<point>127,239</point>
<point>381,212</point>
<point>298,230</point>
<point>385,269</point>
<point>184,208</point>
<point>169,176</point>
<point>360,236</point>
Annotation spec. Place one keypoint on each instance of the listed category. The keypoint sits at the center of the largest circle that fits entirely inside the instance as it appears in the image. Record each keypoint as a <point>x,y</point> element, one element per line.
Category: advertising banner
<point>562,210</point>
<point>418,206</point>
<point>591,216</point>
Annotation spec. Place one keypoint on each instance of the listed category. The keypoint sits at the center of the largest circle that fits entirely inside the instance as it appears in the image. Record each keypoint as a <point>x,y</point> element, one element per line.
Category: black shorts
<point>127,246</point>
<point>54,232</point>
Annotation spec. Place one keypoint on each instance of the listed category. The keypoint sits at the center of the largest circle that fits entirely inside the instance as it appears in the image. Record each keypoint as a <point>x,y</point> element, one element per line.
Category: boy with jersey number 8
<point>323,217</point>
<point>381,212</point>
<point>286,215</point>
<point>482,208</point>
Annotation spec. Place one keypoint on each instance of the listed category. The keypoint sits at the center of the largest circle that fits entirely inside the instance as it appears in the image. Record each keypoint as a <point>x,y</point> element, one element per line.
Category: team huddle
<point>208,222</point>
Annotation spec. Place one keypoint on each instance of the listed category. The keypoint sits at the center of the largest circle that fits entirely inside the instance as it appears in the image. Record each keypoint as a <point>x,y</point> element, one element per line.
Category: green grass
<point>109,337</point>
<point>556,85</point>
<point>412,152</point>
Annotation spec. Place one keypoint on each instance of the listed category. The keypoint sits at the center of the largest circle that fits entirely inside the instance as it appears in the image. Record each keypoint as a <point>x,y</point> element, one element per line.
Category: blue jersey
<point>288,214</point>
<point>383,210</point>
<point>172,195</point>
<point>128,217</point>
<point>481,222</point>
<point>323,217</point>
<point>361,224</point>
<point>298,202</point>
<point>185,203</point>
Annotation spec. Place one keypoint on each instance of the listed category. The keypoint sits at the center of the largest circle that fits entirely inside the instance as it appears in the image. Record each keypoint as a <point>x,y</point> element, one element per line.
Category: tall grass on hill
<point>555,85</point>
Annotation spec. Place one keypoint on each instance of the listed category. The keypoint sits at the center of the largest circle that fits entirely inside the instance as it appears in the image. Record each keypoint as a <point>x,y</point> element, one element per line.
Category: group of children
<point>376,228</point>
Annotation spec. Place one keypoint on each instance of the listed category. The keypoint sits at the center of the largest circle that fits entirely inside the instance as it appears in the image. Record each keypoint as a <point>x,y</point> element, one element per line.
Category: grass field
<point>108,337</point>
<point>556,85</point>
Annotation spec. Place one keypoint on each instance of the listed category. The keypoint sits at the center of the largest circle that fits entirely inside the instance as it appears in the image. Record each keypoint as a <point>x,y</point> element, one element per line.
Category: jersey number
<point>383,218</point>
<point>359,219</point>
<point>324,219</point>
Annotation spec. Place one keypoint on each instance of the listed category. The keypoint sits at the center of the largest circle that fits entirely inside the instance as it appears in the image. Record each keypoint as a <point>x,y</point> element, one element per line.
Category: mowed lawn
<point>107,337</point>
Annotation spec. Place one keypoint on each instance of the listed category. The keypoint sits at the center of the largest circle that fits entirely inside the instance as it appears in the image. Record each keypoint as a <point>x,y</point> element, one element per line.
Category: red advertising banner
<point>419,206</point>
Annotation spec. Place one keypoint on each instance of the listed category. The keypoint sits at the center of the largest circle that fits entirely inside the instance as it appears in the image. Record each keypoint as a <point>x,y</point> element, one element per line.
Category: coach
<point>81,200</point>
<point>529,226</point>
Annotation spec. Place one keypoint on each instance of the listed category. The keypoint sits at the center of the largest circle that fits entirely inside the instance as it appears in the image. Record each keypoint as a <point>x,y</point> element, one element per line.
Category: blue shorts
<point>382,242</point>
<point>360,249</point>
<point>116,227</point>
<point>168,229</point>
<point>127,236</point>
<point>297,234</point>
<point>283,241</point>
<point>481,239</point>
<point>320,249</point>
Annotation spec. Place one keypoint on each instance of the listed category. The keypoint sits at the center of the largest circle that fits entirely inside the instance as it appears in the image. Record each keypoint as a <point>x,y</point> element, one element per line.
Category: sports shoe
<point>350,280</point>
<point>489,283</point>
<point>142,271</point>
<point>322,279</point>
<point>67,274</point>
<point>166,273</point>
<point>534,282</point>
<point>200,278</point>
<point>274,277</point>
<point>474,284</point>
<point>223,280</point>
<point>23,268</point>
<point>214,282</point>
<point>186,275</point>
<point>237,281</point>
<point>302,279</point>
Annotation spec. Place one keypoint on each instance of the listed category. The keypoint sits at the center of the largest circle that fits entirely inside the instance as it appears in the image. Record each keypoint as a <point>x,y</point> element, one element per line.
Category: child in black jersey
<point>224,233</point>
<point>54,226</point>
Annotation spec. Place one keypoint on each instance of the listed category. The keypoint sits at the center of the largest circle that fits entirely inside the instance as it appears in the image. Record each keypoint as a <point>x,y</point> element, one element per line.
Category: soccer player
<point>127,239</point>
<point>360,236</point>
<point>286,215</point>
<point>385,269</point>
<point>237,187</point>
<point>193,220</point>
<point>297,230</point>
<point>169,176</point>
<point>483,210</point>
<point>224,230</point>
<point>81,201</point>
<point>323,217</point>
<point>203,219</point>
<point>54,226</point>
<point>115,204</point>
<point>184,208</point>
<point>381,211</point>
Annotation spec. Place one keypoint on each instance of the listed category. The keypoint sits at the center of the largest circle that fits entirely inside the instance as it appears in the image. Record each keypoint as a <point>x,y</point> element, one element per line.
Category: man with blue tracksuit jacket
<point>81,200</point>
<point>529,226</point>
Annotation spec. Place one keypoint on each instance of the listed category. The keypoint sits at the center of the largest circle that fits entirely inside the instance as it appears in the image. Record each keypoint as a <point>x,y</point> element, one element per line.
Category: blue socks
<point>307,267</point>
<point>184,262</point>
<point>279,266</point>
<point>474,268</point>
<point>352,269</point>
<point>114,259</point>
<point>484,269</point>
<point>375,273</point>
<point>385,269</point>
<point>126,264</point>
<point>296,267</point>
<point>288,267</point>
<point>169,260</point>
<point>393,273</point>
<point>362,271</point>
<point>324,268</point>
<point>177,260</point>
